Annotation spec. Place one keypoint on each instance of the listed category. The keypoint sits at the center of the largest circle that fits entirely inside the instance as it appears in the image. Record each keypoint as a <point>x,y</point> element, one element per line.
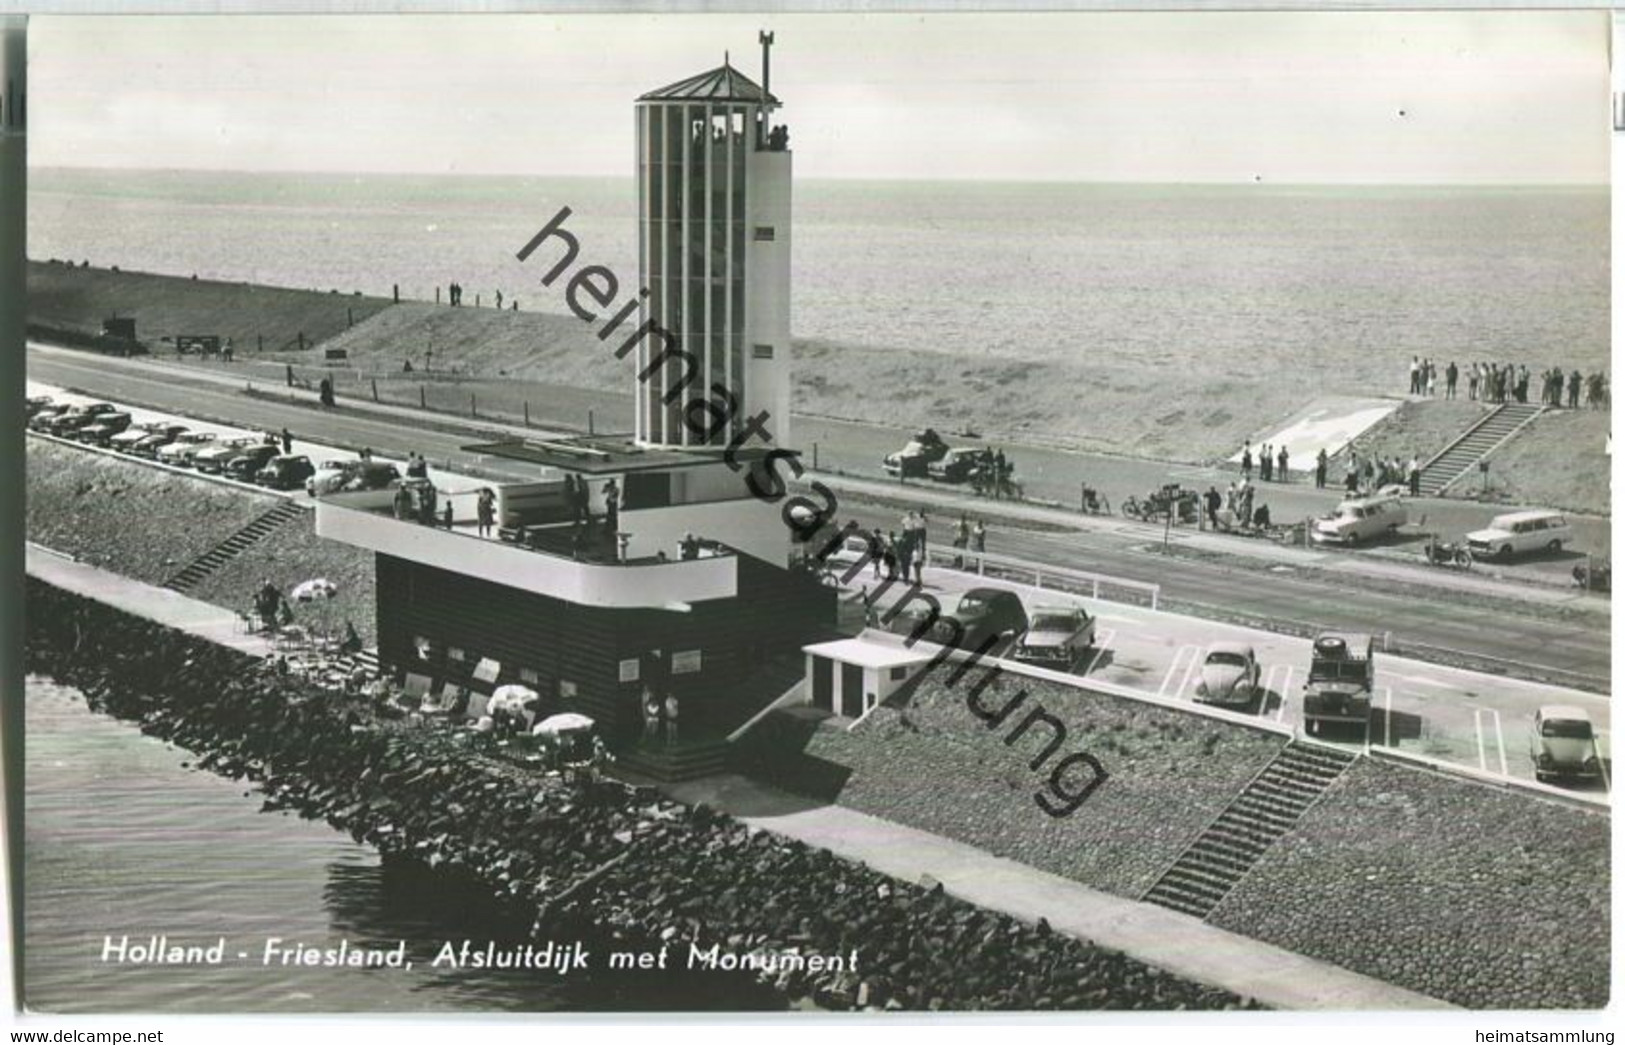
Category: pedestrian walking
<point>961,540</point>
<point>499,299</point>
<point>1283,476</point>
<point>1321,461</point>
<point>1416,374</point>
<point>1450,375</point>
<point>1414,475</point>
<point>877,551</point>
<point>890,555</point>
<point>1472,383</point>
<point>1574,390</point>
<point>287,441</point>
<point>1247,459</point>
<point>1213,501</point>
<point>978,537</point>
<point>1266,463</point>
<point>1432,380</point>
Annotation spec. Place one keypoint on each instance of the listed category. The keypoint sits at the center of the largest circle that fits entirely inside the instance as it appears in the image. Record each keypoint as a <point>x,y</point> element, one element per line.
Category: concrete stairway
<point>233,546</point>
<point>686,760</point>
<point>1264,811</point>
<point>1459,458</point>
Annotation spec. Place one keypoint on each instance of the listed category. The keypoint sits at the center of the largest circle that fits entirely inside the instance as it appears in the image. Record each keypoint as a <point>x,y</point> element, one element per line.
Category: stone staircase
<point>685,760</point>
<point>1459,458</point>
<point>210,561</point>
<point>1266,809</point>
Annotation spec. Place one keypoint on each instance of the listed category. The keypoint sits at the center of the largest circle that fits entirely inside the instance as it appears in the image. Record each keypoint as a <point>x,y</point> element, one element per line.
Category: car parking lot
<point>1479,721</point>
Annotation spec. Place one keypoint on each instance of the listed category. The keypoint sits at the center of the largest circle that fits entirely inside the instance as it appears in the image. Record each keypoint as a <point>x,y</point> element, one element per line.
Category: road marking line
<point>1500,741</point>
<point>1194,671</point>
<point>1478,730</point>
<point>1173,669</point>
<point>1103,641</point>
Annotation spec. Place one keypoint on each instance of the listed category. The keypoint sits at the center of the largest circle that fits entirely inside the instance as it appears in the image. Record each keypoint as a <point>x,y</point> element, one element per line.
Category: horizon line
<point>902,179</point>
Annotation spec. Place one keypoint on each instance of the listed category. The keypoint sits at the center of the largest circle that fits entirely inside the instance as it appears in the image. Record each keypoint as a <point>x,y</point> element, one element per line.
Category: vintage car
<point>157,435</point>
<point>336,476</point>
<point>958,464</point>
<point>1518,533</point>
<point>39,420</point>
<point>250,460</point>
<point>1563,744</point>
<point>214,458</point>
<point>101,431</point>
<point>39,404</point>
<point>1229,674</point>
<point>980,613</point>
<point>1056,637</point>
<point>74,418</point>
<point>285,472</point>
<point>1360,519</point>
<point>915,459</point>
<point>1342,677</point>
<point>184,448</point>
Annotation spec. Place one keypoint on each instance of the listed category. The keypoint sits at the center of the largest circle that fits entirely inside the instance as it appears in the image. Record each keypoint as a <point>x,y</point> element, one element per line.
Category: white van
<point>1360,519</point>
<point>1517,533</point>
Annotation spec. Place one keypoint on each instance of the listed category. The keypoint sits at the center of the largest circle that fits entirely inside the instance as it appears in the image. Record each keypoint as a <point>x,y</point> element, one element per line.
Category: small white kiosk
<point>848,677</point>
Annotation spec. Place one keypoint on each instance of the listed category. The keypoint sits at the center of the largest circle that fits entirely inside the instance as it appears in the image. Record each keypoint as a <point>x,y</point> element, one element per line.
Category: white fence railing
<point>1045,576</point>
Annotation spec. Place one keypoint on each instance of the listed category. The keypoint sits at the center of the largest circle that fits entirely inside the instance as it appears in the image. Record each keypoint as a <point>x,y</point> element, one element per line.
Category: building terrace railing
<point>551,566</point>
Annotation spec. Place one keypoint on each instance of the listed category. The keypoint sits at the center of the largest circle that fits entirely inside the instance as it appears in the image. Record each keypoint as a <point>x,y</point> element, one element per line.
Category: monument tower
<point>714,249</point>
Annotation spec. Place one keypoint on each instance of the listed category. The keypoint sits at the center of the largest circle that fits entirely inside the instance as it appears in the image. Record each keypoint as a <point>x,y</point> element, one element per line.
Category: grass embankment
<point>1491,899</point>
<point>147,523</point>
<point>1560,460</point>
<point>141,522</point>
<point>64,297</point>
<point>934,765</point>
<point>1083,404</point>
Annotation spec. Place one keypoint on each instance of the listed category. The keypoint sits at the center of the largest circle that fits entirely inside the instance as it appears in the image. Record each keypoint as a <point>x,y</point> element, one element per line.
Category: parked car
<point>1563,744</point>
<point>958,464</point>
<point>214,457</point>
<point>285,472</point>
<point>184,448</point>
<point>1342,677</point>
<point>914,460</point>
<point>37,404</point>
<point>158,435</point>
<point>347,476</point>
<point>1360,519</point>
<point>77,417</point>
<point>1518,533</point>
<point>1229,674</point>
<point>980,612</point>
<point>248,462</point>
<point>40,420</point>
<point>1056,637</point>
<point>103,429</point>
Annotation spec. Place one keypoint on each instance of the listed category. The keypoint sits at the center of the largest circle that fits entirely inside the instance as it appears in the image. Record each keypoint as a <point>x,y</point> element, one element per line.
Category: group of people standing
<point>1506,383</point>
<point>901,553</point>
<point>1271,465</point>
<point>1369,472</point>
<point>456,297</point>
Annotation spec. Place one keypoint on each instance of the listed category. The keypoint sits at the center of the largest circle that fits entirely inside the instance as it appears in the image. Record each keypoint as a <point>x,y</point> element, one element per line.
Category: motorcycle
<point>1094,502</point>
<point>1599,577</point>
<point>1185,505</point>
<point>1447,553</point>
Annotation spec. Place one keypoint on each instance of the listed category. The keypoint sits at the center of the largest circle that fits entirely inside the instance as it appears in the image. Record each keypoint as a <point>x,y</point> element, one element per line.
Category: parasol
<point>316,588</point>
<point>568,722</point>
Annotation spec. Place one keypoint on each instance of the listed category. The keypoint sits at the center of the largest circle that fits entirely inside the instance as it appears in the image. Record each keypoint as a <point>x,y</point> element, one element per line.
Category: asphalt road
<point>1486,633</point>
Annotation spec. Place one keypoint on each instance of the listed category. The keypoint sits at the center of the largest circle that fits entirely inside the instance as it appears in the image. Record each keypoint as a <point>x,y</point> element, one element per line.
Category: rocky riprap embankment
<point>1487,898</point>
<point>635,866</point>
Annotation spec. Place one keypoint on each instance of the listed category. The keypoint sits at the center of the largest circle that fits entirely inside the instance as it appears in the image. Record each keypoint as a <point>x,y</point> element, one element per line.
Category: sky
<point>1282,97</point>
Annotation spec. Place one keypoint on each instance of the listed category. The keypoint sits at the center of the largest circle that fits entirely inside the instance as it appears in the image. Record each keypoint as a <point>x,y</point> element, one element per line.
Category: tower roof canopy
<point>722,84</point>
